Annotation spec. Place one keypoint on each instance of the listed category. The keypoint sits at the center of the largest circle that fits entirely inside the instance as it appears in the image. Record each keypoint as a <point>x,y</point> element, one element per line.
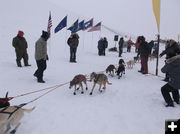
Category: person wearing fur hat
<point>172,49</point>
<point>172,67</point>
<point>41,56</point>
<point>20,45</point>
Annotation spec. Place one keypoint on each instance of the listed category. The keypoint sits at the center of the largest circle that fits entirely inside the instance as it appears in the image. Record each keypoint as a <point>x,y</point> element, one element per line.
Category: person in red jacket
<point>129,43</point>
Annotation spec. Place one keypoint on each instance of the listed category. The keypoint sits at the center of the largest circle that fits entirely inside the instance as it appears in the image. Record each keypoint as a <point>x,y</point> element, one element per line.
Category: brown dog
<point>100,79</point>
<point>110,69</point>
<point>78,80</point>
<point>10,117</point>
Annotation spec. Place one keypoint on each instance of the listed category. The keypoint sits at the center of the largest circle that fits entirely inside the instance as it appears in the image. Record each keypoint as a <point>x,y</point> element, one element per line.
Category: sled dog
<point>10,118</point>
<point>110,69</point>
<point>100,79</point>
<point>78,80</point>
<point>130,64</point>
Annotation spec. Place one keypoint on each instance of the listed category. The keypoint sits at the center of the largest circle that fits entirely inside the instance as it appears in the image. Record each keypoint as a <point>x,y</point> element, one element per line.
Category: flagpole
<point>49,31</point>
<point>157,60</point>
<point>83,39</point>
<point>92,41</point>
<point>65,39</point>
<point>100,33</point>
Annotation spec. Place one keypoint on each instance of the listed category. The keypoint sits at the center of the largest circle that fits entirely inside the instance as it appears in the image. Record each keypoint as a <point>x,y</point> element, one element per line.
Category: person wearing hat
<point>20,45</point>
<point>172,67</point>
<point>41,56</point>
<point>172,49</point>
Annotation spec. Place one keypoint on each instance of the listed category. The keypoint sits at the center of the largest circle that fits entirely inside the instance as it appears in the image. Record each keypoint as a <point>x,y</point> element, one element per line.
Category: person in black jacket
<point>100,47</point>
<point>144,53</point>
<point>105,45</point>
<point>172,67</point>
<point>172,49</point>
<point>121,42</point>
<point>73,42</point>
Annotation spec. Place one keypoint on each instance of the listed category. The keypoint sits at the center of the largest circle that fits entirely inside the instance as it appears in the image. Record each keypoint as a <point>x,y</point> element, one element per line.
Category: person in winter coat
<point>41,56</point>
<point>20,45</point>
<point>172,67</point>
<point>105,45</point>
<point>121,42</point>
<point>100,47</point>
<point>129,44</point>
<point>172,49</point>
<point>144,53</point>
<point>73,42</point>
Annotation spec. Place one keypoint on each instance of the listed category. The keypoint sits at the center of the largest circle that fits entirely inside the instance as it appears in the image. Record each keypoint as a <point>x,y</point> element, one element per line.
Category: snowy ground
<point>132,104</point>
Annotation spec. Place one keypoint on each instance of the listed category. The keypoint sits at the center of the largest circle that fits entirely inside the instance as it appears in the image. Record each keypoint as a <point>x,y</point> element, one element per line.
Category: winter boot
<point>18,63</point>
<point>170,105</point>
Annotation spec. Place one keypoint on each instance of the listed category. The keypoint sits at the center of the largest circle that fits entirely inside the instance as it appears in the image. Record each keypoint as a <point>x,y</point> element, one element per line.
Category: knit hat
<point>20,33</point>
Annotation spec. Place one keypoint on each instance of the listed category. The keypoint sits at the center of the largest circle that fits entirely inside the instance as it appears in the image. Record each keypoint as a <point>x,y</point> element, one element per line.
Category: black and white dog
<point>121,68</point>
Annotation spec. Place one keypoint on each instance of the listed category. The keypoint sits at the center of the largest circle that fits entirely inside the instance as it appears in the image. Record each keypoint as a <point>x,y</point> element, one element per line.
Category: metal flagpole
<point>157,61</point>
<point>92,41</point>
<point>83,39</point>
<point>65,39</point>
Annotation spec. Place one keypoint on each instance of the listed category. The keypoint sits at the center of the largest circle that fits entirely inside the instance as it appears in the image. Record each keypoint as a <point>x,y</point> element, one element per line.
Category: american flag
<point>97,27</point>
<point>49,24</point>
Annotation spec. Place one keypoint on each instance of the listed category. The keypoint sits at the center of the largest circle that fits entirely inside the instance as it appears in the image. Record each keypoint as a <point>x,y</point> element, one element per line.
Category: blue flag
<point>74,27</point>
<point>88,24</point>
<point>61,25</point>
<point>81,25</point>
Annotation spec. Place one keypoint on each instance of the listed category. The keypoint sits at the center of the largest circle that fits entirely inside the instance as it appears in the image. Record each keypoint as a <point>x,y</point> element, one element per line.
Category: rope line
<point>47,92</point>
<point>35,91</point>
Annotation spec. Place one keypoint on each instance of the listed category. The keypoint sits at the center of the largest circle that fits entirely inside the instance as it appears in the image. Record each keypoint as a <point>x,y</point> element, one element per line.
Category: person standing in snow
<point>144,53</point>
<point>129,44</point>
<point>121,42</point>
<point>100,47</point>
<point>172,49</point>
<point>105,45</point>
<point>41,56</point>
<point>20,45</point>
<point>172,67</point>
<point>73,42</point>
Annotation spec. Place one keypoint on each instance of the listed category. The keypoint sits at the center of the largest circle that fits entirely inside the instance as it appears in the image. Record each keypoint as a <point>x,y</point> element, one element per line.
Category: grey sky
<point>132,16</point>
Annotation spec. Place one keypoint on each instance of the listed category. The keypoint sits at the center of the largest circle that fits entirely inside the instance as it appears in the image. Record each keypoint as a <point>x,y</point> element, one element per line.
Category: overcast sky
<point>132,16</point>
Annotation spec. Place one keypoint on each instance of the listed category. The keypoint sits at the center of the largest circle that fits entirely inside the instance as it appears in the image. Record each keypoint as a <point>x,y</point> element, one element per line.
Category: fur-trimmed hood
<point>173,59</point>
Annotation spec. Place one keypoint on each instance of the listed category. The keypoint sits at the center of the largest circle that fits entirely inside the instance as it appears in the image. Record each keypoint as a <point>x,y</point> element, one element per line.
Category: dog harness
<point>78,78</point>
<point>11,113</point>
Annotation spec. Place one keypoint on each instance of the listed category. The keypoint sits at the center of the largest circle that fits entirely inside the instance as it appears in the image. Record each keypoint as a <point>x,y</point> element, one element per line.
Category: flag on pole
<point>156,10</point>
<point>49,24</point>
<point>97,27</point>
<point>81,26</point>
<point>88,24</point>
<point>61,25</point>
<point>74,27</point>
